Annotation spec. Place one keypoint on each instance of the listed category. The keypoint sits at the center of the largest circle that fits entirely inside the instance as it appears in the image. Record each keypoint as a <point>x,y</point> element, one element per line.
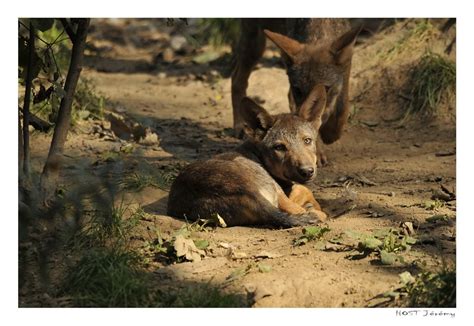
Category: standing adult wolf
<point>315,51</point>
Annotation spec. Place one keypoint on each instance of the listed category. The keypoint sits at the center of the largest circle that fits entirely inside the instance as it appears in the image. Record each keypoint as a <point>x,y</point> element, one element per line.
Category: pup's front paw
<point>320,215</point>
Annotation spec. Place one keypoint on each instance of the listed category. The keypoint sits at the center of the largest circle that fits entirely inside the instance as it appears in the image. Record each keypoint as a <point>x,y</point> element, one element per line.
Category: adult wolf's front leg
<point>249,50</point>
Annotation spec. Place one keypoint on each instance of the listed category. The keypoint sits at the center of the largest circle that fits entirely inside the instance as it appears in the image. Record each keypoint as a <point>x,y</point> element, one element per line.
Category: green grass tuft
<point>427,289</point>
<point>432,80</point>
<point>107,278</point>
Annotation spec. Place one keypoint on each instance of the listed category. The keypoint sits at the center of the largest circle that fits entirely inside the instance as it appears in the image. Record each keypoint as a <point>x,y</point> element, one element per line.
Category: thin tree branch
<point>26,103</point>
<point>53,162</point>
<point>68,29</point>
<point>28,29</point>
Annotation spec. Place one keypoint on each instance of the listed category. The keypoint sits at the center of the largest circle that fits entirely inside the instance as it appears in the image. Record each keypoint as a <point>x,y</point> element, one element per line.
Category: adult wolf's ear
<point>257,120</point>
<point>313,107</point>
<point>288,45</point>
<point>343,47</point>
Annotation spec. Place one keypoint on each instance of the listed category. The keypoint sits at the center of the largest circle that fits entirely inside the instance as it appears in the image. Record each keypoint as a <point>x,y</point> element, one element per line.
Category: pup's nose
<point>306,172</point>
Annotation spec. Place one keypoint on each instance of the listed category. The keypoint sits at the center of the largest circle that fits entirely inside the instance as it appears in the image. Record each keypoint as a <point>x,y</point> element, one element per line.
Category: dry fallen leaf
<point>187,248</point>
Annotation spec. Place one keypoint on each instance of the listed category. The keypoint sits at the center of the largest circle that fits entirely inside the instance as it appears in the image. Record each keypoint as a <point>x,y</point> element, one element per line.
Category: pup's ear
<point>256,120</point>
<point>313,107</point>
<point>343,47</point>
<point>288,45</point>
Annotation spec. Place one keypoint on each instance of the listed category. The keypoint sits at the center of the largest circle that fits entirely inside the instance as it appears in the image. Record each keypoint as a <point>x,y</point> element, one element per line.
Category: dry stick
<point>52,165</point>
<point>26,103</point>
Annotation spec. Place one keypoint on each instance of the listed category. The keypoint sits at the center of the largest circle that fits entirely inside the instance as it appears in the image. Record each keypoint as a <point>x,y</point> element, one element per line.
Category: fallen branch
<point>38,123</point>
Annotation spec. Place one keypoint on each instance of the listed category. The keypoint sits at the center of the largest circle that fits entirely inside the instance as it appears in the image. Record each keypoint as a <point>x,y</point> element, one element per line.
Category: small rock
<point>178,43</point>
<point>239,255</point>
<point>168,55</point>
<point>161,75</point>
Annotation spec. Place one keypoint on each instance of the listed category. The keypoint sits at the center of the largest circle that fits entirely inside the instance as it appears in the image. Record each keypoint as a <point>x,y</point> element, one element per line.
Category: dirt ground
<point>380,173</point>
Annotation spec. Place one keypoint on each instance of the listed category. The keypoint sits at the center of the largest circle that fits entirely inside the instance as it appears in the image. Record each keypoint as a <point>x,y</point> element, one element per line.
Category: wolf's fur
<point>259,182</point>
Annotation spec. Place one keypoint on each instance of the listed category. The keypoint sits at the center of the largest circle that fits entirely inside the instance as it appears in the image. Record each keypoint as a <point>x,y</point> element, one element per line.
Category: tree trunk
<point>20,145</point>
<point>53,162</point>
<point>25,153</point>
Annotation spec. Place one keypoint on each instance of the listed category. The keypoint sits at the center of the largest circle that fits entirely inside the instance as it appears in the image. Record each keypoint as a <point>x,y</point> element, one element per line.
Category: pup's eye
<point>279,147</point>
<point>308,141</point>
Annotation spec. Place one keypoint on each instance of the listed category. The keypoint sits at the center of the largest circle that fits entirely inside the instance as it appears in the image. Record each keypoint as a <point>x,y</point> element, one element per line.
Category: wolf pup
<point>260,183</point>
<point>316,51</point>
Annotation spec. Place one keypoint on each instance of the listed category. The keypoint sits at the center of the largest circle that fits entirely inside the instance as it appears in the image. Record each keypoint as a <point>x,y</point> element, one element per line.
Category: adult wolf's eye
<point>308,141</point>
<point>279,147</point>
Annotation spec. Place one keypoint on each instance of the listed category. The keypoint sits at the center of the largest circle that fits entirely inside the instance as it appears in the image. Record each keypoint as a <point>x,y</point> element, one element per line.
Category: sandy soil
<point>379,175</point>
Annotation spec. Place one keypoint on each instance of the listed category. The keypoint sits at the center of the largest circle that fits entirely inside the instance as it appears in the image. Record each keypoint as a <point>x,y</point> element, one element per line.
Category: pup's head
<point>287,142</point>
<point>325,62</point>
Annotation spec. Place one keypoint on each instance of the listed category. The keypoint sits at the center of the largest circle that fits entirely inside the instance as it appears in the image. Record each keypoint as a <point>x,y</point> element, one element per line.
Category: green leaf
<point>410,240</point>
<point>300,241</point>
<point>382,233</point>
<point>58,88</point>
<point>201,243</point>
<point>388,258</point>
<point>42,24</point>
<point>391,294</point>
<point>406,278</point>
<point>371,243</point>
<point>315,231</point>
<point>320,245</point>
<point>353,234</point>
<point>237,274</point>
<point>183,231</point>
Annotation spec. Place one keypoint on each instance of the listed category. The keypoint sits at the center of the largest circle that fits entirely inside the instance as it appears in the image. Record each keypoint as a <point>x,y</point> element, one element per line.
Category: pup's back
<point>230,185</point>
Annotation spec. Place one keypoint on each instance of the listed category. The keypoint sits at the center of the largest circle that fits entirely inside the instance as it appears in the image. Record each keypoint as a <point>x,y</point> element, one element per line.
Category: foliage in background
<point>419,31</point>
<point>219,31</point>
<point>52,57</point>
